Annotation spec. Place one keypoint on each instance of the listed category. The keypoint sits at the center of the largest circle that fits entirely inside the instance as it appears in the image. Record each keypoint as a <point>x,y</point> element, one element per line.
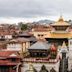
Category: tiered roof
<point>7,56</point>
<point>60,22</point>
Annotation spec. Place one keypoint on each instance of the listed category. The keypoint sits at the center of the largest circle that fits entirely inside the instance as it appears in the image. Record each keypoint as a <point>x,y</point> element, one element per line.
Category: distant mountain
<point>45,21</point>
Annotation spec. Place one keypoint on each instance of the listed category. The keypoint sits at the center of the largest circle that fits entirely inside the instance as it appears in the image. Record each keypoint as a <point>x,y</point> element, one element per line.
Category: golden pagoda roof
<point>60,22</point>
<point>59,35</point>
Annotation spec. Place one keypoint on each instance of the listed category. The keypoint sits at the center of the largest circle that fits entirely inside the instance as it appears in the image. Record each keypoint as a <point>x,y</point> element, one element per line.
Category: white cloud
<point>35,8</point>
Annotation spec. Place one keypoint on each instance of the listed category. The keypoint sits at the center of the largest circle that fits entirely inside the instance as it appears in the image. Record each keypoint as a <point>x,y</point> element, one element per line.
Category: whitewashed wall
<point>38,66</point>
<point>15,47</point>
<point>8,36</point>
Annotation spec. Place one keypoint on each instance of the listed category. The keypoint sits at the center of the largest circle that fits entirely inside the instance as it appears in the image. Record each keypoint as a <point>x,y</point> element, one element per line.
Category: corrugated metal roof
<point>40,45</point>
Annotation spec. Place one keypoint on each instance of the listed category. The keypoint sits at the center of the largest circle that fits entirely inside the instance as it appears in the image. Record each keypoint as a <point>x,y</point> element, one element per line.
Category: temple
<point>42,56</point>
<point>52,51</point>
<point>56,32</point>
<point>42,49</point>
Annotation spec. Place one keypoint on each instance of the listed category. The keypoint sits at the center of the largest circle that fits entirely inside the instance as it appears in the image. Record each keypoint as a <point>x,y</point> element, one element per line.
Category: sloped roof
<point>8,54</point>
<point>60,22</point>
<point>25,34</point>
<point>40,45</point>
<point>32,38</point>
<point>17,40</point>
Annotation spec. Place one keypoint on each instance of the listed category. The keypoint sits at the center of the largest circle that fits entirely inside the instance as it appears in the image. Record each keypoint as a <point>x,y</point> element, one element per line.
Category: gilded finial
<point>61,18</point>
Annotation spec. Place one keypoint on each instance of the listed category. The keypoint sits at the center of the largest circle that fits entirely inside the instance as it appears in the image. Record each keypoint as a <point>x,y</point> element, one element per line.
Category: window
<point>13,59</point>
<point>4,69</point>
<point>38,34</point>
<point>41,35</point>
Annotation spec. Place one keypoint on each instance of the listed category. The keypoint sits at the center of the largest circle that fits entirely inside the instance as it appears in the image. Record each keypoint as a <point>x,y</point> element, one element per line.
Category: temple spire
<point>64,45</point>
<point>61,19</point>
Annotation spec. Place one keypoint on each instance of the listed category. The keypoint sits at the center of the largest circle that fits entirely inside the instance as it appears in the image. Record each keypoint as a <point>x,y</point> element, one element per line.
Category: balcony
<point>57,31</point>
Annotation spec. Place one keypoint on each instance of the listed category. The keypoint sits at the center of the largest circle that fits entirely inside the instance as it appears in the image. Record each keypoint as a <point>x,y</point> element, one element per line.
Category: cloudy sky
<point>30,9</point>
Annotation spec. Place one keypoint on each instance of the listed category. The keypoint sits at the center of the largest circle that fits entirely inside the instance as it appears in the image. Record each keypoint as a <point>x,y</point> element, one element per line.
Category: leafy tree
<point>24,27</point>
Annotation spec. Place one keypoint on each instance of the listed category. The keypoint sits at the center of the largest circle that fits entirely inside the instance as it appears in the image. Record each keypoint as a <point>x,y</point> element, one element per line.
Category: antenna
<point>61,17</point>
<point>61,14</point>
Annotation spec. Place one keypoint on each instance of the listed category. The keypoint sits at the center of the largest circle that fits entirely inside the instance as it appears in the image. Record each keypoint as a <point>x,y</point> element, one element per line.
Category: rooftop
<point>7,54</point>
<point>40,45</point>
<point>60,22</point>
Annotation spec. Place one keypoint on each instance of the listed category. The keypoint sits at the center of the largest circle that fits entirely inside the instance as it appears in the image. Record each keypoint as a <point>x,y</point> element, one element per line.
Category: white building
<point>18,44</point>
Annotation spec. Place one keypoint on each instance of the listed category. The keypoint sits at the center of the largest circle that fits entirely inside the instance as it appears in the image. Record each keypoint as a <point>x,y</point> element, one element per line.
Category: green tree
<point>24,27</point>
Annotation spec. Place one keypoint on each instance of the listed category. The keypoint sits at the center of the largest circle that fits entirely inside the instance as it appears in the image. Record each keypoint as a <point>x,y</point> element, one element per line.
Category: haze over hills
<point>12,20</point>
<point>46,21</point>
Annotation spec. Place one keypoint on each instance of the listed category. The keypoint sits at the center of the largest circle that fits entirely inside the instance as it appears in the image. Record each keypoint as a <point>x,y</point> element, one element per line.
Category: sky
<point>31,10</point>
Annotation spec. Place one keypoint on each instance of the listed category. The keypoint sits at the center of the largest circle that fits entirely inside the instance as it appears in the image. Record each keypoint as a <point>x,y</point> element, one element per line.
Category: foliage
<point>24,27</point>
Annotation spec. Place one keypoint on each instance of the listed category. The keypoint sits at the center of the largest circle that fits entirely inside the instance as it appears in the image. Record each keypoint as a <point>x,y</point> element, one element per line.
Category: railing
<point>40,60</point>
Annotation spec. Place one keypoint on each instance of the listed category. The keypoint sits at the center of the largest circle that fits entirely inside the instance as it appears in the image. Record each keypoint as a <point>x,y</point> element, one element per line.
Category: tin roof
<point>40,45</point>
